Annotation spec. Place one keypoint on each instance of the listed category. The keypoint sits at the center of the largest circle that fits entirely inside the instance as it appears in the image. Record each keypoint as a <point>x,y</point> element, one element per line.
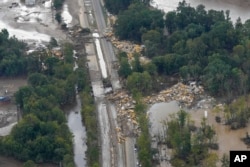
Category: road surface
<point>107,47</point>
<point>125,154</point>
<point>98,92</point>
<point>113,154</point>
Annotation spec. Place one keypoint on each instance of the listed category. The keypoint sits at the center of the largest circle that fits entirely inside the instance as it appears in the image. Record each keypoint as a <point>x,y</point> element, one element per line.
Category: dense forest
<point>193,43</point>
<point>115,6</point>
<point>42,135</point>
<point>13,61</point>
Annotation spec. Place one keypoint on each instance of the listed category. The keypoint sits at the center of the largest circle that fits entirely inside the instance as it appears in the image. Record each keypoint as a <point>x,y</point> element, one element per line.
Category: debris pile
<point>126,114</point>
<point>125,46</point>
<point>185,94</point>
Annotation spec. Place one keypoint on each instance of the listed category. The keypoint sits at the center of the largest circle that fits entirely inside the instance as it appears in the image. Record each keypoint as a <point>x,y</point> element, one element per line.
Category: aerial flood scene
<point>124,83</point>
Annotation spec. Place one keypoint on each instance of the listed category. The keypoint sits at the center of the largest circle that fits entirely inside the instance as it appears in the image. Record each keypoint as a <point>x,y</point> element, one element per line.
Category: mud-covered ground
<point>8,110</point>
<point>34,23</point>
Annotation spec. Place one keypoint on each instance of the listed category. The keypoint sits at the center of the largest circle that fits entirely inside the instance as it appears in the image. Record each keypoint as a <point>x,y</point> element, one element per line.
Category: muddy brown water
<point>158,113</point>
<point>226,138</point>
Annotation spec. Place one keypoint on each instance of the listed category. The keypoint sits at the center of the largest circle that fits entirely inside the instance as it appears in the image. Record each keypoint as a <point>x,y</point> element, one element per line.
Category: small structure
<point>30,2</point>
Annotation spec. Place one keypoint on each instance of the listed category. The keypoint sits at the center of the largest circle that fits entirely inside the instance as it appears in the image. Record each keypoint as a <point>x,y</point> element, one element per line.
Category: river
<point>238,8</point>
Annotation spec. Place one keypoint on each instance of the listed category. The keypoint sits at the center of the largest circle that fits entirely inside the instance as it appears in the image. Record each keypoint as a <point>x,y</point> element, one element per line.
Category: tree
<point>33,63</point>
<point>58,17</point>
<point>37,79</point>
<point>152,35</point>
<point>210,160</point>
<point>62,71</point>
<point>185,15</point>
<point>137,20</point>
<point>53,42</point>
<point>22,94</point>
<point>225,33</point>
<point>58,4</point>
<point>115,6</point>
<point>136,64</point>
<point>68,53</point>
<point>50,63</point>
<point>216,73</point>
<point>188,150</point>
<point>29,163</point>
<point>125,69</point>
<point>139,81</point>
<point>170,21</point>
<point>237,113</point>
<point>225,161</point>
<point>150,68</point>
<point>152,41</point>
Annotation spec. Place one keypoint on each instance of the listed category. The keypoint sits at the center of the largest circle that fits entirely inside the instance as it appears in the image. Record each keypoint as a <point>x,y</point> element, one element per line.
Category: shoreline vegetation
<point>89,115</point>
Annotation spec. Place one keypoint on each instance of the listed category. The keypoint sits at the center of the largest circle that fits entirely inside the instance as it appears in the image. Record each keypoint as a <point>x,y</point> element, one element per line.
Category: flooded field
<point>8,110</point>
<point>226,138</point>
<point>238,8</point>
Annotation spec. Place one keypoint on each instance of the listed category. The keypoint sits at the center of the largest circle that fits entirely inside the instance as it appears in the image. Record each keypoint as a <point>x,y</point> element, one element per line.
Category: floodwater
<point>226,138</point>
<point>77,128</point>
<point>79,133</point>
<point>238,8</point>
<point>158,114</point>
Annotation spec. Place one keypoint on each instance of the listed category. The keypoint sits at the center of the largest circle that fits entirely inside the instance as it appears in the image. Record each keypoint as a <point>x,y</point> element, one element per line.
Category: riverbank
<point>239,8</point>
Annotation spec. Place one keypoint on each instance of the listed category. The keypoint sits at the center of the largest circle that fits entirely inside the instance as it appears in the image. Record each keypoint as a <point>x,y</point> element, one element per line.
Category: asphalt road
<point>130,152</point>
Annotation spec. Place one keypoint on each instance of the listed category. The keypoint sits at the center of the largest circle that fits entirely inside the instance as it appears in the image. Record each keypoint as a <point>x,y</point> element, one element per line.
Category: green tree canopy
<point>137,20</point>
<point>139,81</point>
